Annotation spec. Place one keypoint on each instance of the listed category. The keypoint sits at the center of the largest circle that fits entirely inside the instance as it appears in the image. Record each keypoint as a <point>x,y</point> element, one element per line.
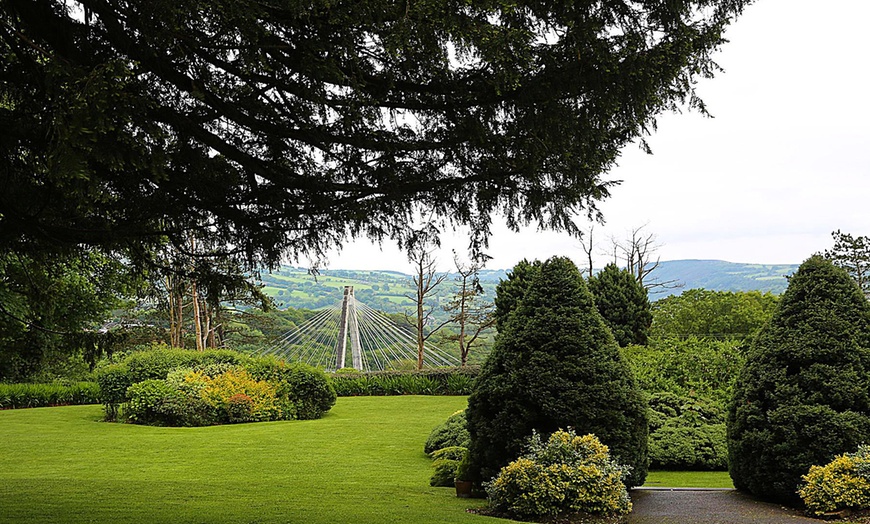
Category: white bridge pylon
<point>376,341</point>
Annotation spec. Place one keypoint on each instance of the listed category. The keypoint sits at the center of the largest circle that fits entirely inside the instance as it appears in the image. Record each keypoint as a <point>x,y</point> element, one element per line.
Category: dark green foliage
<point>446,462</point>
<point>509,292</point>
<point>155,402</point>
<point>125,123</point>
<point>702,313</point>
<point>113,379</point>
<point>686,434</point>
<point>451,433</point>
<point>555,365</point>
<point>39,395</point>
<point>623,305</point>
<point>690,382</point>
<point>802,397</point>
<point>49,305</point>
<point>158,362</point>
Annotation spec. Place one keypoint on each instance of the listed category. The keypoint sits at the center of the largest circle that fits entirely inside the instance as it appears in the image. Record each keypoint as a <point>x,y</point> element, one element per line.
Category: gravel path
<point>686,506</point>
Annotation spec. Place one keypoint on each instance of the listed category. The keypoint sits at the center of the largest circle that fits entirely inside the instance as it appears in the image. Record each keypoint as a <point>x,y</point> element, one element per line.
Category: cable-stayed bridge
<point>375,341</point>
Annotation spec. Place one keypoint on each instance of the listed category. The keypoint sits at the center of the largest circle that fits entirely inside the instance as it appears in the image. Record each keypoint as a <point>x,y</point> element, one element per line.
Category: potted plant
<point>463,485</point>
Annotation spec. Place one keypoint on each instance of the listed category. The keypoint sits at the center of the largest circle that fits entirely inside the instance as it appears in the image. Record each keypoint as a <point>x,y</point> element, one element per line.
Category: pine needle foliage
<point>623,303</point>
<point>555,365</point>
<point>802,397</point>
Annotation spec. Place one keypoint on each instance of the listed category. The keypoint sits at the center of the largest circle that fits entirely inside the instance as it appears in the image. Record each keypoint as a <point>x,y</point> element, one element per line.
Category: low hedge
<point>437,381</point>
<point>14,396</point>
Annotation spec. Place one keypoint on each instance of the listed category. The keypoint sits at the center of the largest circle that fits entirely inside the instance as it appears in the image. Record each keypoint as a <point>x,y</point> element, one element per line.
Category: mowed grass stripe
<point>361,463</point>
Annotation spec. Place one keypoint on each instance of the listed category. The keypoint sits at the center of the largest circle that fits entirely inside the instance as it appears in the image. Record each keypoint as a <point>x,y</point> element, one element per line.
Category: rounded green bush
<point>155,402</point>
<point>113,380</point>
<point>802,396</point>
<point>566,474</point>
<point>307,388</point>
<point>451,432</point>
<point>446,462</point>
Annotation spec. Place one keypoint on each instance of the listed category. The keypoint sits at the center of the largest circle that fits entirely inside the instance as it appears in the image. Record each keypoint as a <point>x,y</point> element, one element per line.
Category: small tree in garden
<point>554,365</point>
<point>802,397</point>
<point>852,254</point>
<point>468,309</point>
<point>623,303</point>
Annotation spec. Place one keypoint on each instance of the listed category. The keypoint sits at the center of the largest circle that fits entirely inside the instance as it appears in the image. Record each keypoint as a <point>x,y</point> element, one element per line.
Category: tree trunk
<point>420,338</point>
<point>197,321</point>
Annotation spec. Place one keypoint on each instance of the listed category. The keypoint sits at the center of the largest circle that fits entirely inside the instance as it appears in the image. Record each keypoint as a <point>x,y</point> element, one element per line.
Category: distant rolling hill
<point>388,290</point>
<point>719,275</point>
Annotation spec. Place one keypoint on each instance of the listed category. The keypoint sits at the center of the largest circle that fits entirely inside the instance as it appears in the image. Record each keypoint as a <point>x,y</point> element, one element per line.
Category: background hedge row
<point>439,381</point>
<point>39,395</point>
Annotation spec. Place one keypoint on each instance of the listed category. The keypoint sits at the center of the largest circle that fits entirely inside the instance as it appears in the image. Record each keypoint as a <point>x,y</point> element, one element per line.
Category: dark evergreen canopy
<point>623,303</point>
<point>803,395</point>
<point>280,126</point>
<point>555,365</point>
<point>510,291</point>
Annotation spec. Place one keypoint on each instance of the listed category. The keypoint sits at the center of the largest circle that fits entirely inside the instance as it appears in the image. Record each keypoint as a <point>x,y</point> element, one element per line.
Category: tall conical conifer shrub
<point>623,303</point>
<point>555,365</point>
<point>804,393</point>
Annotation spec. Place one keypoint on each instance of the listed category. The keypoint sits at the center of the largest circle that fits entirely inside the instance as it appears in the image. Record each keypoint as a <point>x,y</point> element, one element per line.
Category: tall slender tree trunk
<point>209,328</point>
<point>463,320</point>
<point>170,295</point>
<point>420,318</point>
<point>197,319</point>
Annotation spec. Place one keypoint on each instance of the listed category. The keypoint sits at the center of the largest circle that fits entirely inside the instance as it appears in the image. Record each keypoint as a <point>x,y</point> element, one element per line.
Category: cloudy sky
<point>784,162</point>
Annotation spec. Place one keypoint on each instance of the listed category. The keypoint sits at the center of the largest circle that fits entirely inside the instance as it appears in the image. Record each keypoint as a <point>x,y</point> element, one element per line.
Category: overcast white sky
<point>785,161</point>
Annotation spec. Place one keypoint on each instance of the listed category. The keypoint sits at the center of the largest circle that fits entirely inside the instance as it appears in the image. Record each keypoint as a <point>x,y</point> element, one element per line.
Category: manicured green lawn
<point>362,463</point>
<point>688,479</point>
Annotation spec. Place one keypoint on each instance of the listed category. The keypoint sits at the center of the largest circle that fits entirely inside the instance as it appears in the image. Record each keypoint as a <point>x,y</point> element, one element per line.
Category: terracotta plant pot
<point>463,488</point>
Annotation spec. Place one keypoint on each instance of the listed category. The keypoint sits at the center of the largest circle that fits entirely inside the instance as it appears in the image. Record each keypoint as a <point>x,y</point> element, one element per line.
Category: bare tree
<point>467,309</point>
<point>426,278</point>
<point>638,253</point>
<point>588,246</point>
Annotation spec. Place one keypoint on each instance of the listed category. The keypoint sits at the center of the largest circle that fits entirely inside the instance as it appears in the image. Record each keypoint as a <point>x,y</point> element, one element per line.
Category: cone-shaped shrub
<point>623,303</point>
<point>555,365</point>
<point>803,396</point>
<point>509,292</point>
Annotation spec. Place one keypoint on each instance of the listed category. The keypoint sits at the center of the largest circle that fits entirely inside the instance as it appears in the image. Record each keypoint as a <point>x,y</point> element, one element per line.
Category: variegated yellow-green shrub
<point>566,474</point>
<point>843,483</point>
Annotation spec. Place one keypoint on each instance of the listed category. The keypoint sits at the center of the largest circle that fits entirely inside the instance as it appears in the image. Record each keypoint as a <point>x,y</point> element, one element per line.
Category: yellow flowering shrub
<point>566,474</point>
<point>239,397</point>
<point>843,483</point>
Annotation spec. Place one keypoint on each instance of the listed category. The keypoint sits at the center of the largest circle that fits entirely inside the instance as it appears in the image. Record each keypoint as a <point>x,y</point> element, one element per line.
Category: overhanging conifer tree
<point>555,365</point>
<point>802,396</point>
